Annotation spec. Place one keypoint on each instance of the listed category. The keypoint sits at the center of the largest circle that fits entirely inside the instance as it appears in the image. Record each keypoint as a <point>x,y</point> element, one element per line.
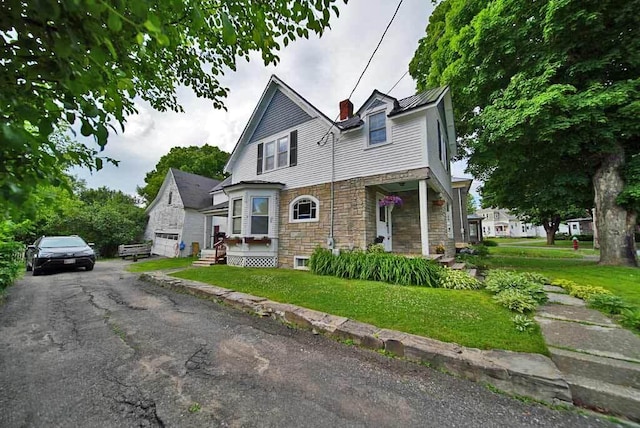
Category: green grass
<point>469,318</point>
<point>160,264</point>
<point>539,252</point>
<point>621,281</point>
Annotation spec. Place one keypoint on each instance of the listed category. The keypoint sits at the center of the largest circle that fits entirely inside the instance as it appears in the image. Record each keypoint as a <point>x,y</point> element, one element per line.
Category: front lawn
<point>469,318</point>
<point>622,281</point>
<point>160,264</point>
<point>540,252</point>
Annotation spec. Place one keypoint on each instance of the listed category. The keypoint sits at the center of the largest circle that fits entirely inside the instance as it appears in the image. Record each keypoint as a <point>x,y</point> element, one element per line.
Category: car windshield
<point>62,241</point>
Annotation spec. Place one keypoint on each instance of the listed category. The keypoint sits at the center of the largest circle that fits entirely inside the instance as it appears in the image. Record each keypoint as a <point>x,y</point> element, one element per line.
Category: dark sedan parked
<point>57,252</point>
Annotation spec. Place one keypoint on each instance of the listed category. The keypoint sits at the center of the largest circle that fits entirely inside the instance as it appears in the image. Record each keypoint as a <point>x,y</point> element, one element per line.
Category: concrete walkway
<point>599,359</point>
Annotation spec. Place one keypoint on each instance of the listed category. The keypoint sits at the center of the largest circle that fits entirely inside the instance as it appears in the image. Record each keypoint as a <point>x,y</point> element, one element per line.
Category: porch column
<point>424,216</point>
<point>204,238</point>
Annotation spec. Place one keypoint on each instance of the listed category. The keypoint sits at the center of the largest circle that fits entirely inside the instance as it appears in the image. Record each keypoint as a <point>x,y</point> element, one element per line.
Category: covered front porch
<point>422,224</point>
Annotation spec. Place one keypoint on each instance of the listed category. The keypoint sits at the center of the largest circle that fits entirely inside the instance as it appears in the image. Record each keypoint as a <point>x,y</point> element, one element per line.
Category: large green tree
<point>547,96</point>
<point>208,161</point>
<point>85,61</point>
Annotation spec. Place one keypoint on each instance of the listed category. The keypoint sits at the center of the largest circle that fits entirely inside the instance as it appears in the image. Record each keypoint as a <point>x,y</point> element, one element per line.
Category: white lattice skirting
<point>252,261</point>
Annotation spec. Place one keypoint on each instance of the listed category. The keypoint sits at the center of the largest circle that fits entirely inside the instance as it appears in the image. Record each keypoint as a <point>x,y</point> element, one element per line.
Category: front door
<point>383,222</point>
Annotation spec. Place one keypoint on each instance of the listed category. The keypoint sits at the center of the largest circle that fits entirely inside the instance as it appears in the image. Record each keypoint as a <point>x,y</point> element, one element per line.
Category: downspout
<point>461,220</point>
<point>331,242</point>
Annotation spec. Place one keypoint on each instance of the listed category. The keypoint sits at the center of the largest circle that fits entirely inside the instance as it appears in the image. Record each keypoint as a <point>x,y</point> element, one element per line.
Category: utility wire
<point>366,67</point>
<point>396,84</point>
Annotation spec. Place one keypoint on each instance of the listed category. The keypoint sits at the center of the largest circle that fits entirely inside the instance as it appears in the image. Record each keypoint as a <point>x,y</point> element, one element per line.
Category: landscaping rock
<point>554,289</point>
<point>361,334</point>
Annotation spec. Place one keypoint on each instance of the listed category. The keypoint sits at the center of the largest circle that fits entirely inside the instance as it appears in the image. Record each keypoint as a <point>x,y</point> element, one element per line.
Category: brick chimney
<point>346,109</point>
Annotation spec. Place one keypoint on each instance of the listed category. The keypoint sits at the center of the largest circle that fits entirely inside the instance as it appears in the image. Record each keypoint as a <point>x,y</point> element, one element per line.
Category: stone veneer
<point>355,208</point>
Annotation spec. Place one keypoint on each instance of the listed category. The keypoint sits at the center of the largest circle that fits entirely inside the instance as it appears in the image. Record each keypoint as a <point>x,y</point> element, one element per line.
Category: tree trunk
<point>614,223</point>
<point>551,227</point>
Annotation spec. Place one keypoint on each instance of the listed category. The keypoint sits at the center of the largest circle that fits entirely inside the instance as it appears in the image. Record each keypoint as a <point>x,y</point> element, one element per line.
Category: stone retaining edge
<point>519,373</point>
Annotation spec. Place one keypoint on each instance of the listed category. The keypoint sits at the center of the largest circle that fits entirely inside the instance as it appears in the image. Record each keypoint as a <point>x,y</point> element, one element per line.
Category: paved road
<point>103,349</point>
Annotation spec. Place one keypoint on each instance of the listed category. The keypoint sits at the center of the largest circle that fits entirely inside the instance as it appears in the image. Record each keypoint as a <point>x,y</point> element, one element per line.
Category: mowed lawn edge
<point>469,318</point>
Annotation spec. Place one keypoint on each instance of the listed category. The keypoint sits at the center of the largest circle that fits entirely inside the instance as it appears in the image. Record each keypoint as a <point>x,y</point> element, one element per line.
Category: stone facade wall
<point>355,208</point>
<point>438,230</point>
<point>406,224</point>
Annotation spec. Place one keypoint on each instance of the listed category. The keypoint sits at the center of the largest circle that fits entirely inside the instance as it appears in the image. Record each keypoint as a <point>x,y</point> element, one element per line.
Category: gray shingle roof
<point>352,122</point>
<point>216,207</point>
<point>194,189</point>
<point>223,183</point>
<point>418,100</point>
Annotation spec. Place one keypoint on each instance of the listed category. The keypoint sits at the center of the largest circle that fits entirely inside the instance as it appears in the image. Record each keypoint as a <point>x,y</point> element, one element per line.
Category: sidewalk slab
<point>576,314</point>
<point>554,289</point>
<point>609,342</point>
<point>565,299</point>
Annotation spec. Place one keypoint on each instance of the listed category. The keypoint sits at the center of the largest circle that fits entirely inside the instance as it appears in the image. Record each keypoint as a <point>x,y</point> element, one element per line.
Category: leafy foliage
<point>523,323</point>
<point>103,216</point>
<point>384,267</point>
<point>547,96</point>
<point>86,61</point>
<point>208,161</point>
<point>11,253</point>
<point>516,300</point>
<point>631,318</point>
<point>458,280</point>
<point>610,304</point>
<point>584,292</point>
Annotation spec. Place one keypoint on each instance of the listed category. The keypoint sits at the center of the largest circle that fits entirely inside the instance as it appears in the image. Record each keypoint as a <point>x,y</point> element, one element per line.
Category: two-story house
<point>300,180</point>
<point>499,222</point>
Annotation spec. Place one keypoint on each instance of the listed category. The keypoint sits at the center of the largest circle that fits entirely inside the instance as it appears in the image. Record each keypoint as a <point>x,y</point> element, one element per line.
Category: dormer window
<point>377,128</point>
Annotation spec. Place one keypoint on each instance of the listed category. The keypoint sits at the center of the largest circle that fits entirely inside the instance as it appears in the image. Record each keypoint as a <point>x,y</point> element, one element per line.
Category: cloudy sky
<point>323,70</point>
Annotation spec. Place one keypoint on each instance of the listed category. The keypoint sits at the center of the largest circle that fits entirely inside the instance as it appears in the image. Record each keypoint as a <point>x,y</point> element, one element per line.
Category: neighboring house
<point>299,180</point>
<point>175,217</point>
<point>580,226</point>
<point>461,187</point>
<point>499,222</point>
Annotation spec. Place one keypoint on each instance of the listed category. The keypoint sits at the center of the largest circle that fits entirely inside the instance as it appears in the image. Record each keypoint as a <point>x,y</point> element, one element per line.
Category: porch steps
<point>209,261</point>
<point>447,261</point>
<point>458,266</point>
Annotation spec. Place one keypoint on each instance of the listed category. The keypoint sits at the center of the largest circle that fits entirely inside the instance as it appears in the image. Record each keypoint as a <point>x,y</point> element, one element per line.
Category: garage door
<point>164,244</point>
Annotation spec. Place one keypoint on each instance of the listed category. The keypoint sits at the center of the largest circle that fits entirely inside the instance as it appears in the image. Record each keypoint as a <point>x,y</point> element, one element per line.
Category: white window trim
<point>295,262</point>
<point>250,213</point>
<point>275,141</point>
<point>240,216</point>
<point>304,220</point>
<point>386,127</point>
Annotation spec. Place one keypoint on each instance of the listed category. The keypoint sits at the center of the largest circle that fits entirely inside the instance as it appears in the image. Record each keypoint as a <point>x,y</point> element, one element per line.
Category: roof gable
<point>281,113</point>
<point>194,189</point>
<point>265,118</point>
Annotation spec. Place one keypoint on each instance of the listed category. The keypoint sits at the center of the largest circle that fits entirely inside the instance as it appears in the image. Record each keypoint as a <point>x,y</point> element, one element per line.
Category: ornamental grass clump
<point>375,266</point>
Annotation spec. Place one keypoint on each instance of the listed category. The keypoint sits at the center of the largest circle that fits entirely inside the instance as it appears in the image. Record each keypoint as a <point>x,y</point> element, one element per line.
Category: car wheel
<point>90,267</point>
<point>36,272</point>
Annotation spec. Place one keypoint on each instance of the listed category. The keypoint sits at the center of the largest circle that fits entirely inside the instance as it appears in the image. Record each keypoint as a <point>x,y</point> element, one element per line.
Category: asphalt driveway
<point>103,349</point>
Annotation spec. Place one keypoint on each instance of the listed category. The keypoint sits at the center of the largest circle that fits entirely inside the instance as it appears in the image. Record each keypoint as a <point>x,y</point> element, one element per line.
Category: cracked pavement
<point>101,348</point>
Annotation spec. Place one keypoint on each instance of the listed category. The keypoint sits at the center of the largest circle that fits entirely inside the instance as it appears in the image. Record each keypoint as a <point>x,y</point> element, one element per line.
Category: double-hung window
<point>283,152</point>
<point>377,128</point>
<point>236,216</point>
<point>259,215</point>
<point>269,155</point>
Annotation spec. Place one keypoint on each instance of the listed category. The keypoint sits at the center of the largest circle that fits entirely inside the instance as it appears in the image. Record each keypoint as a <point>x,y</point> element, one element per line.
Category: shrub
<point>631,318</point>
<point>499,281</point>
<point>458,280</point>
<point>516,300</point>
<point>584,292</point>
<point>523,323</point>
<point>536,277</point>
<point>11,254</point>
<point>376,267</point>
<point>609,304</point>
<point>489,243</point>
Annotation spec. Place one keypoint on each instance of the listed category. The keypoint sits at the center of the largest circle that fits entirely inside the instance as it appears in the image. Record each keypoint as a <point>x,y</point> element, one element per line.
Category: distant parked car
<point>57,252</point>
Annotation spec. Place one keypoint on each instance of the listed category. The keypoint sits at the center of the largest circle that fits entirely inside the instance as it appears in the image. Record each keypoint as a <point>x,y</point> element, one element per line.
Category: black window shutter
<point>260,156</point>
<point>293,148</point>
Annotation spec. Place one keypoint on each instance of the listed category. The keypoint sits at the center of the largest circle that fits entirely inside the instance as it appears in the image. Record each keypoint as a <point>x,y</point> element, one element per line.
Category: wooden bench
<point>134,250</point>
